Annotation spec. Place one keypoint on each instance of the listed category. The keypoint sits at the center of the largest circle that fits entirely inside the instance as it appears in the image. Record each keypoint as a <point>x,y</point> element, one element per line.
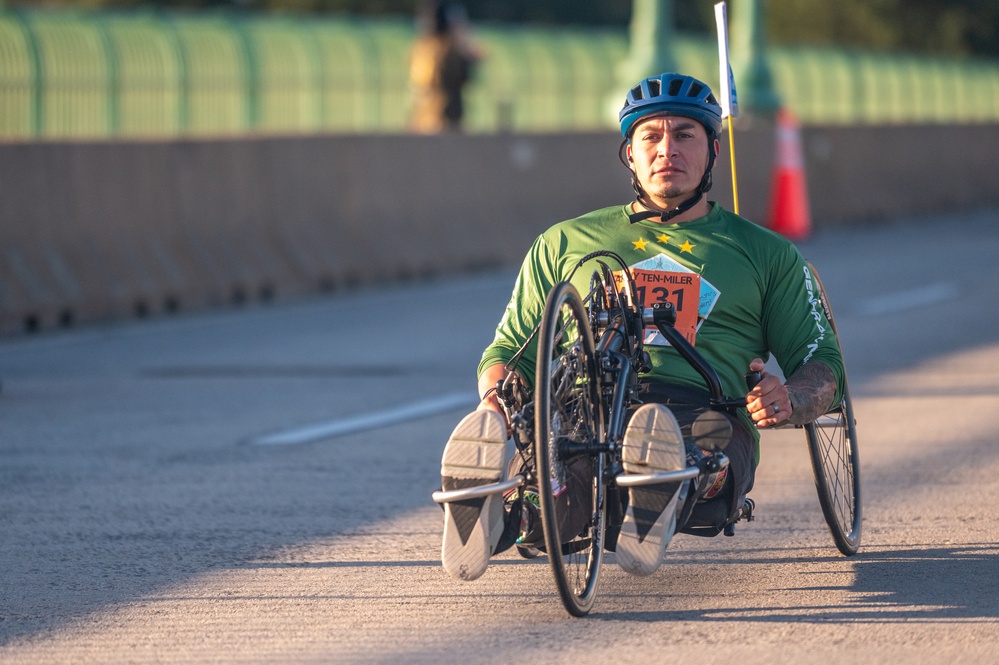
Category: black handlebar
<point>663,316</point>
<point>696,360</point>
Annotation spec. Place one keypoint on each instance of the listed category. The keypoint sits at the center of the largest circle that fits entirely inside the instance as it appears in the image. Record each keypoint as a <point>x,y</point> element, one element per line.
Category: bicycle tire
<point>568,411</point>
<point>835,458</point>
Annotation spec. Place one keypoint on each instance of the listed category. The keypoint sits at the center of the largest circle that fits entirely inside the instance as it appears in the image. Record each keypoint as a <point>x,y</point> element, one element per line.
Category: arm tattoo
<point>814,388</point>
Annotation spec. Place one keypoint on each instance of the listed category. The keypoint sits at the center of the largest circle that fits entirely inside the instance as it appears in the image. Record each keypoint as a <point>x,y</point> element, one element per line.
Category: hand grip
<point>752,378</point>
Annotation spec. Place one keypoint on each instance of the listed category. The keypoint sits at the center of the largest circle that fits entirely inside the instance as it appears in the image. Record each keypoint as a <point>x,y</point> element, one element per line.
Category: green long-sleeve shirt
<point>751,288</point>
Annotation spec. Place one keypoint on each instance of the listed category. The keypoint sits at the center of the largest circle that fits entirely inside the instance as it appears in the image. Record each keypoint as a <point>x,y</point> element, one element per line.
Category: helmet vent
<point>668,94</point>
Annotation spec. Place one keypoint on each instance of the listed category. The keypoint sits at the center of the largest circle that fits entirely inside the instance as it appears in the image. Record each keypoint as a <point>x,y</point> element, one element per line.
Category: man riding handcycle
<point>615,399</point>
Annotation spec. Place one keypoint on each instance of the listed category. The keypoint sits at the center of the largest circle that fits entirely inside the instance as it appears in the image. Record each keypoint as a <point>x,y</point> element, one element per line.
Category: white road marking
<point>902,300</point>
<point>327,430</point>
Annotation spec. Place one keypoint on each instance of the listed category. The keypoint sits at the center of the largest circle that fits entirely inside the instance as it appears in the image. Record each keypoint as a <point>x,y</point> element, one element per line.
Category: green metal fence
<point>155,74</point>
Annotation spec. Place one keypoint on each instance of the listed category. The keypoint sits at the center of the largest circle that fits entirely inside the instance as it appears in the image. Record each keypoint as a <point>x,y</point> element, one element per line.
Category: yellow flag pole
<point>730,106</point>
<point>731,152</point>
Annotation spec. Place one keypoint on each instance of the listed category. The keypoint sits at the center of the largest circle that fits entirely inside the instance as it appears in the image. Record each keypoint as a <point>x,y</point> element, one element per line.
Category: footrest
<point>441,496</point>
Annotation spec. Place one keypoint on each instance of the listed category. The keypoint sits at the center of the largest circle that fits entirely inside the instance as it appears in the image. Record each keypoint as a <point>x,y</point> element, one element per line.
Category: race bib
<point>681,289</point>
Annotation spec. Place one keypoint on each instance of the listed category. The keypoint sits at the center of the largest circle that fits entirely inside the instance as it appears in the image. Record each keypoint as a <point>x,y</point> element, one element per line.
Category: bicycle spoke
<point>835,458</point>
<point>566,421</point>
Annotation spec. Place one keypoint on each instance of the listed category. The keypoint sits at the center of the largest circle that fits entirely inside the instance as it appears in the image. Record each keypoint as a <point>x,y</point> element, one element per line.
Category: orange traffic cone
<point>789,214</point>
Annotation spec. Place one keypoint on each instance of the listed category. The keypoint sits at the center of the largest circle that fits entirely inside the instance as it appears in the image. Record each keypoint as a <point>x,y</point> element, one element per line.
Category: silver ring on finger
<point>776,408</point>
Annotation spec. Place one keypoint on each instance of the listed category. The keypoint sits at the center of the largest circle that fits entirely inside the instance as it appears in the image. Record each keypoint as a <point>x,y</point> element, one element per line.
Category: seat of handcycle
<point>707,518</point>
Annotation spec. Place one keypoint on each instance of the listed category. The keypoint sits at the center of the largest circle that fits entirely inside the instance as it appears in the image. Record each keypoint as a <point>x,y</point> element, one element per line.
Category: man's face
<point>670,154</point>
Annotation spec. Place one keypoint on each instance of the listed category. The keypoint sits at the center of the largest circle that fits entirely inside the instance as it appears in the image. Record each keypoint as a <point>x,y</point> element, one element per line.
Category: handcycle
<point>569,428</point>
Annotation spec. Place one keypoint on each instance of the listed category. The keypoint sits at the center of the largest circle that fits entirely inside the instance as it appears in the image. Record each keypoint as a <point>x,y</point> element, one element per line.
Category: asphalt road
<point>254,486</point>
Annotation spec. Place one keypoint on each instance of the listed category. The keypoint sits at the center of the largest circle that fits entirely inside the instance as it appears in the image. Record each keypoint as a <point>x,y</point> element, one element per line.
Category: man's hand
<point>808,394</point>
<point>487,393</point>
<point>768,403</point>
<point>491,403</point>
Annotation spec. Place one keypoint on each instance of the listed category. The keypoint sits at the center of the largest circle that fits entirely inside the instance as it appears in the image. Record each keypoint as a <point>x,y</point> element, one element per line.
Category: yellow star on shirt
<point>640,244</point>
<point>687,247</point>
<point>663,238</point>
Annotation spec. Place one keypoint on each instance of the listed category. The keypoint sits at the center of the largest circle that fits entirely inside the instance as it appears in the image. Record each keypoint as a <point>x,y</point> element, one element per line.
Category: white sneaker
<point>475,455</point>
<point>652,444</point>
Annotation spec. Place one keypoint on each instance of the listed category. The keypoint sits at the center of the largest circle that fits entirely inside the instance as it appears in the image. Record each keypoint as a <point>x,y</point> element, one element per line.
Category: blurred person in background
<point>441,63</point>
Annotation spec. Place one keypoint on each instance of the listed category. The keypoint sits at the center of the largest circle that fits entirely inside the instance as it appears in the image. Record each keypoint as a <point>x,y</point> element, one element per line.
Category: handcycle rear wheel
<point>568,418</point>
<point>834,453</point>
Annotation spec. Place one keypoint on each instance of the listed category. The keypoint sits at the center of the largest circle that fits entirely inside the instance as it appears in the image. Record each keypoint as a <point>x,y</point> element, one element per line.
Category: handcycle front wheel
<point>834,453</point>
<point>567,418</point>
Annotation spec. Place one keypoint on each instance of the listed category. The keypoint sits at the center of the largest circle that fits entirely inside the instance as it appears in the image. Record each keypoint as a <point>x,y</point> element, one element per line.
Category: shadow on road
<point>911,583</point>
<point>928,582</point>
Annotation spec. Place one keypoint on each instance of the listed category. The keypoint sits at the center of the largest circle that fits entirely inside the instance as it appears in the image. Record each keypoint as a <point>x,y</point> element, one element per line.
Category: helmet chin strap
<point>651,209</point>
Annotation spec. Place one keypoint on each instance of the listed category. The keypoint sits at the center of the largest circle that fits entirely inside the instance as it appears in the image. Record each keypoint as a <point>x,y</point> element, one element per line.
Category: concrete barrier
<point>101,230</point>
<point>867,174</point>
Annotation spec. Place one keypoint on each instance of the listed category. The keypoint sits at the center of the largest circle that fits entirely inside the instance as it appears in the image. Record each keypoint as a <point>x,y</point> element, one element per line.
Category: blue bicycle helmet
<point>671,94</point>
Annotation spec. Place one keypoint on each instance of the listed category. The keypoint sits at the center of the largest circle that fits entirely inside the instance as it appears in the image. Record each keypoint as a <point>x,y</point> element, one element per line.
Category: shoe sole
<point>652,444</point>
<point>475,455</point>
